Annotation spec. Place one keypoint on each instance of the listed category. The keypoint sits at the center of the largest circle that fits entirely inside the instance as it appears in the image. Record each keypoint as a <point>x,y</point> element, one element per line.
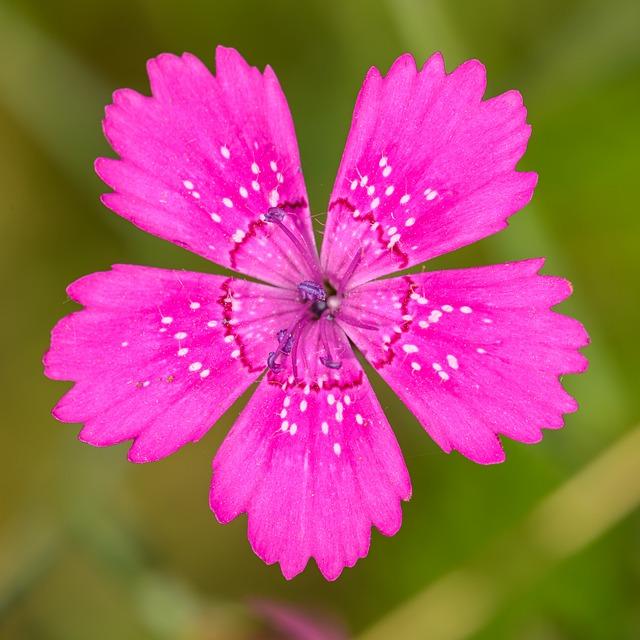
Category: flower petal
<point>204,158</point>
<point>474,353</point>
<point>159,355</point>
<point>314,468</point>
<point>428,167</point>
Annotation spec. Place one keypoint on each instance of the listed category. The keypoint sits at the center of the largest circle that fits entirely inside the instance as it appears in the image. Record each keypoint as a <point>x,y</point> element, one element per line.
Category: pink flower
<point>211,163</point>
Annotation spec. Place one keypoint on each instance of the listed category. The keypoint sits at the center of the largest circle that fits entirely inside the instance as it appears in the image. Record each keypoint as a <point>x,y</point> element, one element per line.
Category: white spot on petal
<point>452,361</point>
<point>393,241</point>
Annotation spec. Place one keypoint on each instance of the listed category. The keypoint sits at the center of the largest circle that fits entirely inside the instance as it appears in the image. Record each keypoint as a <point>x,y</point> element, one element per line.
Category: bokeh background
<point>544,546</point>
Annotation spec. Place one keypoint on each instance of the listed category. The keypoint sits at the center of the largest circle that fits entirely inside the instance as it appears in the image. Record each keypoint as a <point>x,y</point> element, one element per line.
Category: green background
<point>94,547</point>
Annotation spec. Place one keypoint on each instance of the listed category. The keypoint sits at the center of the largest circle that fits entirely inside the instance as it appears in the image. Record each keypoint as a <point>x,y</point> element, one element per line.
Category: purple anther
<point>311,291</point>
<point>331,364</point>
<point>273,214</point>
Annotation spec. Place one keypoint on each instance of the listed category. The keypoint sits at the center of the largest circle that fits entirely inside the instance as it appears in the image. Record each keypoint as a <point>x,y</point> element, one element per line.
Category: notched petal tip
<point>228,58</point>
<point>403,63</point>
<point>138,456</point>
<point>435,64</point>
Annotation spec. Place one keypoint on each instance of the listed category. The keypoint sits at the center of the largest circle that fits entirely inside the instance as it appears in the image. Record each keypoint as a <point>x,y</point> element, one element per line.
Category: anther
<point>273,214</point>
<point>331,364</point>
<point>311,291</point>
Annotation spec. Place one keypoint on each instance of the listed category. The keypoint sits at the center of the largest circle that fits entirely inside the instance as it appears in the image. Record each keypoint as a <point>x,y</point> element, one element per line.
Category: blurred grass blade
<point>460,603</point>
<point>562,67</point>
<point>52,94</point>
<point>425,28</point>
<point>28,549</point>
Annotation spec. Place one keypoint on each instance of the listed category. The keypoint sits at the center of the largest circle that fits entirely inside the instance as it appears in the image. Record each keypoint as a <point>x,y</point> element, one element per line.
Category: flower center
<point>318,307</point>
<point>322,304</point>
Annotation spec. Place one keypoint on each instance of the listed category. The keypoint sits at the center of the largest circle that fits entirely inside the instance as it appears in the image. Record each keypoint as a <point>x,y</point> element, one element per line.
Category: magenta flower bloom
<point>211,164</point>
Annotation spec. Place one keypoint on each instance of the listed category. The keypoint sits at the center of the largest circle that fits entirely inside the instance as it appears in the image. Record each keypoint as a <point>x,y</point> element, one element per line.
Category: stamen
<point>344,317</point>
<point>276,216</point>
<point>288,344</point>
<point>355,261</point>
<point>294,356</point>
<point>271,362</point>
<point>328,360</point>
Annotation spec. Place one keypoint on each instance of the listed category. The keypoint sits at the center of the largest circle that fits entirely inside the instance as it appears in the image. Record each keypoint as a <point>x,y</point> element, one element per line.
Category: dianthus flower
<point>157,356</point>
